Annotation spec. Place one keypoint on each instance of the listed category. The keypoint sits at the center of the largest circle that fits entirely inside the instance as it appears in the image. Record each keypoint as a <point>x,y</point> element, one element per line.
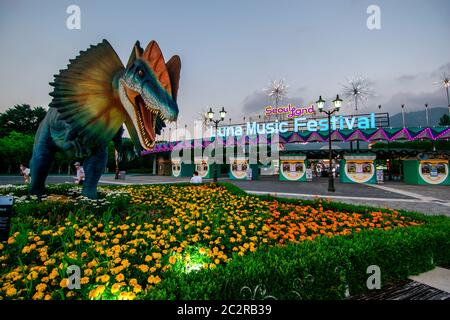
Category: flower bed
<point>141,241</point>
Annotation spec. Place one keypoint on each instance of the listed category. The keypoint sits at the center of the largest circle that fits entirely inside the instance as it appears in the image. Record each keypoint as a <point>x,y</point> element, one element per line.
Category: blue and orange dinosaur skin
<point>93,97</point>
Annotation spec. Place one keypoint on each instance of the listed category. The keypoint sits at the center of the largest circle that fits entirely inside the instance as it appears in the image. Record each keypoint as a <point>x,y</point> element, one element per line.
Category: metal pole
<point>448,99</point>
<point>330,174</point>
<point>426,114</point>
<point>403,114</point>
<point>215,153</point>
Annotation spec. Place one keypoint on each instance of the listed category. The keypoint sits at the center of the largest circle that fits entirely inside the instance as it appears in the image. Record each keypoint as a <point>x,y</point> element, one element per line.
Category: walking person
<point>25,172</point>
<point>80,174</point>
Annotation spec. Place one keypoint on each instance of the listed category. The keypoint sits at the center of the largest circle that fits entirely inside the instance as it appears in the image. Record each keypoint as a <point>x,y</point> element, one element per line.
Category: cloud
<point>407,77</point>
<point>441,70</point>
<point>415,101</point>
<point>255,102</point>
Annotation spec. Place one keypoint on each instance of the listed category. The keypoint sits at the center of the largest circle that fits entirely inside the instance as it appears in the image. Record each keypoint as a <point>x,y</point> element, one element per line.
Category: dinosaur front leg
<point>94,166</point>
<point>41,161</point>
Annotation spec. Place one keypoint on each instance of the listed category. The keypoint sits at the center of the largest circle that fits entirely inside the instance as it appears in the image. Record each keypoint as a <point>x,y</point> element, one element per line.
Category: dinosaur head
<point>148,91</point>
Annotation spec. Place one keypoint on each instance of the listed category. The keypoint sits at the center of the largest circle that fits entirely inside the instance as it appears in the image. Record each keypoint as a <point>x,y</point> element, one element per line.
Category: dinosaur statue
<point>91,100</point>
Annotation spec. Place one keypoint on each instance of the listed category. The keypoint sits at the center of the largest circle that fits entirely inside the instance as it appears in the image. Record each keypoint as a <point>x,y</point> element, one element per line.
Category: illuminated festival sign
<point>290,110</point>
<point>299,124</point>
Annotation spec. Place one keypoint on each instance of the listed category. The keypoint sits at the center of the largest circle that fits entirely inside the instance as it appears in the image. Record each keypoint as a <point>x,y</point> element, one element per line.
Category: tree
<point>445,120</point>
<point>21,118</point>
<point>15,149</point>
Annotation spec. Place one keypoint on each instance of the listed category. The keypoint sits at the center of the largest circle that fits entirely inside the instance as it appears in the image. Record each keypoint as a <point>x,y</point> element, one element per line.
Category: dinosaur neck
<point>115,83</point>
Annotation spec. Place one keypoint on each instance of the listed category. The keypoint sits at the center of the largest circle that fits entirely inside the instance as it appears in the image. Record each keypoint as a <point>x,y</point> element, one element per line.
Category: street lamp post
<point>222,113</point>
<point>337,105</point>
<point>403,115</point>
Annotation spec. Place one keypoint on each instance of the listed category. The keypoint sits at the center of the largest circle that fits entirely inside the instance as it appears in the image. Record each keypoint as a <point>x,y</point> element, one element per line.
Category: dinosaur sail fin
<point>155,59</point>
<point>85,96</point>
<point>174,67</point>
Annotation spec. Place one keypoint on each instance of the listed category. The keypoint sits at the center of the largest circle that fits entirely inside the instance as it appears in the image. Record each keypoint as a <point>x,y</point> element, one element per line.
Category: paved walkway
<point>432,200</point>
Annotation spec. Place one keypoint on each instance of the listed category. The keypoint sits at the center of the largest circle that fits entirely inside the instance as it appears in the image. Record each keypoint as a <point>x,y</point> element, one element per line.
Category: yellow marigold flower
<point>115,288</point>
<point>148,258</point>
<point>212,265</point>
<point>137,288</point>
<point>63,283</point>
<point>26,250</point>
<point>133,282</point>
<point>125,263</point>
<point>11,291</point>
<point>216,261</point>
<point>11,240</point>
<point>143,268</point>
<point>154,279</point>
<point>84,280</point>
<point>120,277</point>
<point>38,296</point>
<point>92,264</point>
<point>70,294</point>
<point>41,287</point>
<point>32,275</point>
<point>53,274</point>
<point>173,259</point>
<point>127,296</point>
<point>96,292</point>
<point>47,297</point>
<point>88,272</point>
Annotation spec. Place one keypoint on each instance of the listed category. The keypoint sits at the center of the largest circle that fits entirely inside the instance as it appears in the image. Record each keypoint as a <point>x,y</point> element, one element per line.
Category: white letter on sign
<point>374,20</point>
<point>73,281</point>
<point>374,281</point>
<point>74,20</point>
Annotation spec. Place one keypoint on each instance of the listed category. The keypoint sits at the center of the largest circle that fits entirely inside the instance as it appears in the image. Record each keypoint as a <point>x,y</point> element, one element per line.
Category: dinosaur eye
<point>141,73</point>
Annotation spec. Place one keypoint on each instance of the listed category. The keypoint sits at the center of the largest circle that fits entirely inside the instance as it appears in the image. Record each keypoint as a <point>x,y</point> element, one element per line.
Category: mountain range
<point>418,118</point>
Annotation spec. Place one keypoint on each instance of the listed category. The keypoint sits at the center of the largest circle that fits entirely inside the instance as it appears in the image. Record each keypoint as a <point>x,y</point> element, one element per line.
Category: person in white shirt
<point>80,174</point>
<point>196,178</point>
<point>25,172</point>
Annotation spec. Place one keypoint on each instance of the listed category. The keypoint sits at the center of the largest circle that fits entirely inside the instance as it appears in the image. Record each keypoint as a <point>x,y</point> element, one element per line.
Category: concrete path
<point>438,278</point>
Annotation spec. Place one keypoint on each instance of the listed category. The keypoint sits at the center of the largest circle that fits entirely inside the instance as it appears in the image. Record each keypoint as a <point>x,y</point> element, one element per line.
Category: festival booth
<point>204,168</point>
<point>426,170</point>
<point>180,169</point>
<point>358,168</point>
<point>240,169</point>
<point>293,167</point>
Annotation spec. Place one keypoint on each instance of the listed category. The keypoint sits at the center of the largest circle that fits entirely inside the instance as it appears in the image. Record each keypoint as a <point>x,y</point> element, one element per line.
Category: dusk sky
<point>231,50</point>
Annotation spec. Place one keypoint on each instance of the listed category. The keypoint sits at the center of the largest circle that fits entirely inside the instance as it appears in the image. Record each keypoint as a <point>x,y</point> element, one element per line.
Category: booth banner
<point>239,168</point>
<point>292,170</point>
<point>176,168</point>
<point>359,171</point>
<point>433,171</point>
<point>202,167</point>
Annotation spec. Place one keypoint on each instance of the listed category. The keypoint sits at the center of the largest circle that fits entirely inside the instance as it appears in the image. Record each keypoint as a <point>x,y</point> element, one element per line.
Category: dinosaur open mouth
<point>147,121</point>
<point>146,118</point>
